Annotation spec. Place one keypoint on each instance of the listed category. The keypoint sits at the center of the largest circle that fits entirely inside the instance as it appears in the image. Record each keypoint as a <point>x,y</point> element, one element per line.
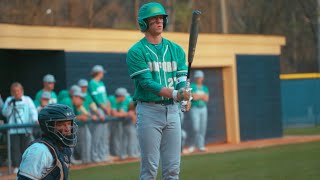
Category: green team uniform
<point>117,127</point>
<point>199,117</point>
<point>199,90</point>
<point>52,100</point>
<point>87,101</point>
<point>124,105</point>
<point>100,131</point>
<point>129,99</point>
<point>66,101</point>
<point>62,94</point>
<point>84,135</point>
<point>79,111</point>
<point>165,64</point>
<point>98,92</point>
<point>153,67</point>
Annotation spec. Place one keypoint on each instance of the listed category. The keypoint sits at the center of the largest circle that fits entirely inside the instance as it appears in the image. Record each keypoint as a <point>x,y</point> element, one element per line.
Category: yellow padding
<point>300,76</point>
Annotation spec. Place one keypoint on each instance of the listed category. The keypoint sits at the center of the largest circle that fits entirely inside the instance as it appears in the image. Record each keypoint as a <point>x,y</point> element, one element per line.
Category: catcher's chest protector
<point>61,161</point>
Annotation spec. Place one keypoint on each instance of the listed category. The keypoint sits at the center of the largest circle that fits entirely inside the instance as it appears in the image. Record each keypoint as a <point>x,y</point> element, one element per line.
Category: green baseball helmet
<point>149,10</point>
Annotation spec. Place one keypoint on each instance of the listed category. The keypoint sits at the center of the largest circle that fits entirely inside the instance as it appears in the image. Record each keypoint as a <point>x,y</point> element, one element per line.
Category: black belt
<point>162,102</point>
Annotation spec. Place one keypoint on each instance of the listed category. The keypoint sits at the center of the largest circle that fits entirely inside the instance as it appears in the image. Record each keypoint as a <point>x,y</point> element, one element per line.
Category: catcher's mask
<point>48,119</point>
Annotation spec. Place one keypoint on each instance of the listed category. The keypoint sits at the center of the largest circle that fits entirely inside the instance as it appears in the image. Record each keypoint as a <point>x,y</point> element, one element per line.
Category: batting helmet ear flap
<point>143,25</point>
<point>165,21</point>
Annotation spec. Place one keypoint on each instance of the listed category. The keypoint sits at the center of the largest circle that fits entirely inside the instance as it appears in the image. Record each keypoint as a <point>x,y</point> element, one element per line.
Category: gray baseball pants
<point>199,118</point>
<point>159,134</point>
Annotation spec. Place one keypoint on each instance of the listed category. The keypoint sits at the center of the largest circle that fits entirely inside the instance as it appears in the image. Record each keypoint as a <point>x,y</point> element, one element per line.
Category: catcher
<point>49,156</point>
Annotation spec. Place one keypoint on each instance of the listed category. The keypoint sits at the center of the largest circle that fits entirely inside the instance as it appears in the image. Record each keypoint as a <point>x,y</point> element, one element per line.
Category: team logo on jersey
<point>101,89</point>
<point>166,66</point>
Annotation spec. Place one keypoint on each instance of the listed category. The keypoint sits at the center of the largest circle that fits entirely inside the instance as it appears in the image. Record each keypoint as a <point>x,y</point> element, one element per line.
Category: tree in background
<point>297,20</point>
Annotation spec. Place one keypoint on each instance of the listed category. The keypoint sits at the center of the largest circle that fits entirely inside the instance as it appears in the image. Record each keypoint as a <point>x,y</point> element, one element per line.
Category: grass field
<point>292,162</point>
<point>302,131</point>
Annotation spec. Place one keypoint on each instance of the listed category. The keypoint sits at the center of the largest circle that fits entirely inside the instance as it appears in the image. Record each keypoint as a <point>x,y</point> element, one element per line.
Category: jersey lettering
<point>166,66</point>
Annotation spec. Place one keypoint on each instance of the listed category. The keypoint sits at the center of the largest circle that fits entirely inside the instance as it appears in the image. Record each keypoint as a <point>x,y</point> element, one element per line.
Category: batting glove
<point>182,94</point>
<point>185,105</point>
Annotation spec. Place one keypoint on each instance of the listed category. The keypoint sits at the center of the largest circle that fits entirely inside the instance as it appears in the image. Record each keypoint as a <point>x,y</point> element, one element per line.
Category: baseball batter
<point>158,69</point>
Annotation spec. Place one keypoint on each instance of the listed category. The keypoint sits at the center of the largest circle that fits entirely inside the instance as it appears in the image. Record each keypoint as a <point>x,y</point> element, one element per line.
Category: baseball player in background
<point>92,109</point>
<point>158,69</point>
<point>119,110</point>
<point>101,135</point>
<point>83,116</point>
<point>88,103</point>
<point>48,85</point>
<point>199,112</point>
<point>44,101</point>
<point>129,129</point>
<point>49,156</point>
<point>67,100</point>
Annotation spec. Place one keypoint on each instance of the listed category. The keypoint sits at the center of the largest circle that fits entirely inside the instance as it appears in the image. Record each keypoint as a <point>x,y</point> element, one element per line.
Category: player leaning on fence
<point>100,137</point>
<point>158,69</point>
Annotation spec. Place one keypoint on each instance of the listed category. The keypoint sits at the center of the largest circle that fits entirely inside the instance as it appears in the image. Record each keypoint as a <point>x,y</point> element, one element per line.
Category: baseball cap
<point>97,68</point>
<point>75,88</point>
<point>79,94</point>
<point>49,78</point>
<point>121,92</point>
<point>82,82</point>
<point>45,95</point>
<point>198,74</point>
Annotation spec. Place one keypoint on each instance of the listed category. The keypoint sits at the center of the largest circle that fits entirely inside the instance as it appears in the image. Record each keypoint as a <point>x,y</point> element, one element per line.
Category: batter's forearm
<point>166,92</point>
<point>150,85</point>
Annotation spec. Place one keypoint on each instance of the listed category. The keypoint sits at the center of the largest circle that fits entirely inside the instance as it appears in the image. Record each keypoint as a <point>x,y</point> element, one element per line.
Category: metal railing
<point>7,127</point>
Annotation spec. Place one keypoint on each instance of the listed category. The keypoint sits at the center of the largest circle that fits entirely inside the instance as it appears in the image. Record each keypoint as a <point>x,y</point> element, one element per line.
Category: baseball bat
<point>194,31</point>
<point>193,37</point>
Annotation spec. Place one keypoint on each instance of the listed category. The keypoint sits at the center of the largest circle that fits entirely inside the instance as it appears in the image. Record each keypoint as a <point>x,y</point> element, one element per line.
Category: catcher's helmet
<point>52,113</point>
<point>149,10</point>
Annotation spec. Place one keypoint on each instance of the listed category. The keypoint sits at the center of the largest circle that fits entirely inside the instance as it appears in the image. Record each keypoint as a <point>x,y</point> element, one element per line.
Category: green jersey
<point>66,101</point>
<point>98,92</point>
<point>62,94</point>
<point>129,99</point>
<point>165,64</point>
<point>87,101</point>
<point>124,105</point>
<point>52,100</point>
<point>79,111</point>
<point>199,90</point>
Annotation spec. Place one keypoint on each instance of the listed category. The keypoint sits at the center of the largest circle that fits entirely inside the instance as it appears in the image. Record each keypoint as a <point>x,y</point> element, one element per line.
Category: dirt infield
<point>212,148</point>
